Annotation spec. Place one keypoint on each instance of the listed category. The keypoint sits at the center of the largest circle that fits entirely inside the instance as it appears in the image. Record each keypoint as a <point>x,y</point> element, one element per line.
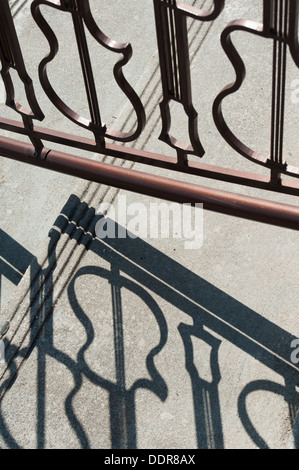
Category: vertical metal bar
<point>174,48</point>
<point>269,15</point>
<point>273,26</point>
<point>279,82</point>
<point>283,84</point>
<point>87,74</point>
<point>280,21</point>
<point>173,44</point>
<point>162,25</point>
<point>183,59</point>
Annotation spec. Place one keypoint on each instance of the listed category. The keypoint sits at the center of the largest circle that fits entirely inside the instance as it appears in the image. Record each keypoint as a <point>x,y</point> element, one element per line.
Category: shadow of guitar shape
<point>287,391</point>
<point>121,399</point>
<point>205,392</point>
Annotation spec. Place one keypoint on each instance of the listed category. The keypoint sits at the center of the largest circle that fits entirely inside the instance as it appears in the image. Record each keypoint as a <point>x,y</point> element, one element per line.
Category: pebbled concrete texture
<point>138,342</point>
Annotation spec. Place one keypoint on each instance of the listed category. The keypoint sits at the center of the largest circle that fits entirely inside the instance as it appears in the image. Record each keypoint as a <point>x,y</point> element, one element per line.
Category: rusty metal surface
<point>280,25</point>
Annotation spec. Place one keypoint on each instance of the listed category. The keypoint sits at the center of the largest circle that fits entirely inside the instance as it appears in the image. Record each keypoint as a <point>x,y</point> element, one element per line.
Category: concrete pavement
<point>139,342</point>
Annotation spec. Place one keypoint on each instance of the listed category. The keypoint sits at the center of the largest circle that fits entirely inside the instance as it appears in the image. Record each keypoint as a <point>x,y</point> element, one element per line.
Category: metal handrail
<point>279,26</point>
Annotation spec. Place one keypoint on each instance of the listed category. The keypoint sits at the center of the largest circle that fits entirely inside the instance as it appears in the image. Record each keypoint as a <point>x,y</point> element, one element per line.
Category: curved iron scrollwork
<point>11,58</point>
<point>280,25</point>
<point>172,35</point>
<point>82,18</point>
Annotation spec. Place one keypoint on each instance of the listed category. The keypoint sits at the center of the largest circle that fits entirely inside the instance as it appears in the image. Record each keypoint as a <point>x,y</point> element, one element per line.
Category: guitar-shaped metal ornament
<point>83,20</point>
<point>172,35</point>
<point>281,26</point>
<point>11,58</point>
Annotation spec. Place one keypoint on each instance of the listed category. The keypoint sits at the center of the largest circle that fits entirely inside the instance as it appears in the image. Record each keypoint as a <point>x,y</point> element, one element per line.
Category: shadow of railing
<point>14,260</point>
<point>137,267</point>
<point>210,308</point>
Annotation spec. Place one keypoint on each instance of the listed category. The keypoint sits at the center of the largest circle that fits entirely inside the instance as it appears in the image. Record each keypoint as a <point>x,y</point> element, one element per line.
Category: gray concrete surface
<point>139,342</point>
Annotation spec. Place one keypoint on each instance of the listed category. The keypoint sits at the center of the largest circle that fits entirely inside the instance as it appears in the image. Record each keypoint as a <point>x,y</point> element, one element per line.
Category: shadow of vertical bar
<point>205,394</point>
<point>122,414</point>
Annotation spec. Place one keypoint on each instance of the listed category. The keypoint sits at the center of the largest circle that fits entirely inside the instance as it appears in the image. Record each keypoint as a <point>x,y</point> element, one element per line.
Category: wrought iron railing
<point>280,25</point>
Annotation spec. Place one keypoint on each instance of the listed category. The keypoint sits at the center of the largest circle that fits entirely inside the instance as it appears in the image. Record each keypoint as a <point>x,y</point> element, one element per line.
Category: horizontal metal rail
<point>167,162</point>
<point>279,26</point>
<point>246,207</point>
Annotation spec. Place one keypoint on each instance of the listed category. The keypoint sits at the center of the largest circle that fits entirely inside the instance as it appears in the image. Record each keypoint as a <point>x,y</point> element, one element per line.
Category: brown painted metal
<point>171,27</point>
<point>82,20</point>
<point>286,186</point>
<point>280,25</point>
<point>11,58</point>
<point>143,183</point>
